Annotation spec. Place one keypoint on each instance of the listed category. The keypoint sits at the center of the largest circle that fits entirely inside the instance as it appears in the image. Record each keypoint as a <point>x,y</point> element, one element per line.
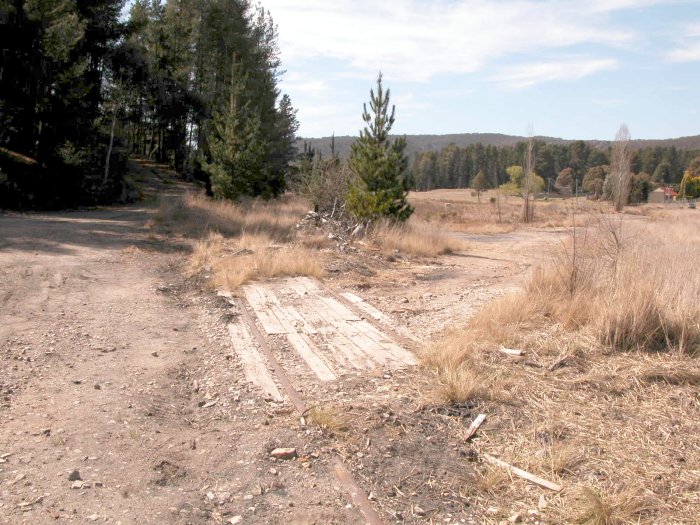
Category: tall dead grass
<point>415,237</point>
<point>601,423</point>
<point>633,293</point>
<point>195,215</point>
<point>240,242</point>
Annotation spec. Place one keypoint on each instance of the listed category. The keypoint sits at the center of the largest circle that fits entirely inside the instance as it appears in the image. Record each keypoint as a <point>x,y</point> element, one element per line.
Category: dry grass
<point>231,273</point>
<point>619,508</point>
<point>239,243</point>
<point>416,238</point>
<point>195,215</point>
<point>631,293</point>
<point>329,419</point>
<point>458,210</point>
<point>605,397</point>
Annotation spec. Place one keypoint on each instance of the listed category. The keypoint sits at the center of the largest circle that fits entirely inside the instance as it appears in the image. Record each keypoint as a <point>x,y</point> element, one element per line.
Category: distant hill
<point>418,143</point>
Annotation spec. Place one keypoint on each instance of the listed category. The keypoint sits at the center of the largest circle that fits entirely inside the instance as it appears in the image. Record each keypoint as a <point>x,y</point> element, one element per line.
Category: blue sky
<point>569,68</point>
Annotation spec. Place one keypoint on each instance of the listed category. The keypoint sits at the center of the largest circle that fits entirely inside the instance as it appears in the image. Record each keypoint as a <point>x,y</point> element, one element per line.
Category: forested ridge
<point>456,167</point>
<point>189,82</point>
<point>453,161</point>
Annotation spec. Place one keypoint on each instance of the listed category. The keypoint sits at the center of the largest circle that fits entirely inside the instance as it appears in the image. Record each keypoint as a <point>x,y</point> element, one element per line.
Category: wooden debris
<point>478,421</point>
<point>524,474</point>
<point>561,363</point>
<point>512,351</point>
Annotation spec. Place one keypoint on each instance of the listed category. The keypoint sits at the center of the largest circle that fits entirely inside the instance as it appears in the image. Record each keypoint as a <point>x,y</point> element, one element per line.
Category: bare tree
<point>620,167</point>
<point>528,180</point>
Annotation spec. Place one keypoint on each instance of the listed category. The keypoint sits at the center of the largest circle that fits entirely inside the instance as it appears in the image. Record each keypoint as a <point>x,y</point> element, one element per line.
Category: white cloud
<point>526,75</point>
<point>689,48</point>
<point>418,40</point>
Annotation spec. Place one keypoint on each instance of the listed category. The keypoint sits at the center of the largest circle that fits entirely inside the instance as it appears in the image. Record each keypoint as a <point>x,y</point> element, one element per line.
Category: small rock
<point>93,517</point>
<point>543,503</point>
<point>258,491</point>
<point>210,403</point>
<point>247,497</point>
<point>77,485</point>
<point>74,476</point>
<point>516,518</point>
<point>418,511</point>
<point>284,453</point>
<point>154,354</point>
<point>273,471</point>
<point>235,520</point>
<point>492,510</point>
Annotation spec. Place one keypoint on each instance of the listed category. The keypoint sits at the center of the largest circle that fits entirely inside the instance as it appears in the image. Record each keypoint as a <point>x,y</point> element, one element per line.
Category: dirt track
<point>109,365</point>
<point>119,368</point>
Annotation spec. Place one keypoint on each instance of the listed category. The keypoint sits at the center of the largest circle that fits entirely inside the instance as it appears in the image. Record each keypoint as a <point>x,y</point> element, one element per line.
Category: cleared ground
<point>126,360</point>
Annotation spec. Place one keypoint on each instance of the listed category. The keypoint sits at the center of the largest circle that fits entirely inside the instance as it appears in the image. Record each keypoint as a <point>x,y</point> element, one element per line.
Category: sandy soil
<point>123,402</point>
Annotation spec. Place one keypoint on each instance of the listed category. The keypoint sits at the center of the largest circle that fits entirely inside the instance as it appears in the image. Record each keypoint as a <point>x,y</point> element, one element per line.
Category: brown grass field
<point>604,399</point>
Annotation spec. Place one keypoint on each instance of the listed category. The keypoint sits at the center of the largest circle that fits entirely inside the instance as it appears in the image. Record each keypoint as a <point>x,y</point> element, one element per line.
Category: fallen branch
<point>475,426</point>
<point>524,474</point>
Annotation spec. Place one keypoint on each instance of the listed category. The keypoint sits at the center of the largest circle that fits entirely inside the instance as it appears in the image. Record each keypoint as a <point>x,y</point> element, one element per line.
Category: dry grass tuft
<point>671,377</point>
<point>630,294</point>
<point>562,458</point>
<point>240,242</point>
<point>619,508</point>
<point>289,261</point>
<point>332,420</point>
<point>195,215</point>
<point>415,238</point>
<point>461,384</point>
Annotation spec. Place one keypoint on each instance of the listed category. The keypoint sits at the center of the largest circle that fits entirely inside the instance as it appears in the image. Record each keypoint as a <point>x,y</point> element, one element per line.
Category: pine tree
<point>236,146</point>
<point>379,188</point>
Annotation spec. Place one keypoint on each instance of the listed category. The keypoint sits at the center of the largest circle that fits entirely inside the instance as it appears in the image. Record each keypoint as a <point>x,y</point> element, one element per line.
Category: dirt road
<point>121,399</point>
<point>124,400</point>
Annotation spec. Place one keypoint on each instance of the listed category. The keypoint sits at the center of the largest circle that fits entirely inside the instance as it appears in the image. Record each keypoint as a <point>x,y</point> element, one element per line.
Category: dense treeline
<point>457,167</point>
<point>188,82</point>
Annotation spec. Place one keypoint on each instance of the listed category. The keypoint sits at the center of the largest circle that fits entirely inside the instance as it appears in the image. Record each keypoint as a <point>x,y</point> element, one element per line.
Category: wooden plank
<point>382,345</point>
<point>475,426</point>
<point>359,498</point>
<point>304,347</point>
<point>268,321</point>
<point>334,314</point>
<point>511,351</point>
<point>524,474</point>
<point>289,389</point>
<point>378,315</point>
<point>307,351</point>
<point>339,336</point>
<point>254,365</point>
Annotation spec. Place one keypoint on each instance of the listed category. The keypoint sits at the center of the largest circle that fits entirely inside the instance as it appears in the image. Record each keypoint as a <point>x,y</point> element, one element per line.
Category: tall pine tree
<point>378,189</point>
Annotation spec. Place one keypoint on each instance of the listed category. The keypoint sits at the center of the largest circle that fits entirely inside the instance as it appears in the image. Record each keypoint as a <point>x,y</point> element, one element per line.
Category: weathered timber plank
<point>267,319</point>
<point>254,364</point>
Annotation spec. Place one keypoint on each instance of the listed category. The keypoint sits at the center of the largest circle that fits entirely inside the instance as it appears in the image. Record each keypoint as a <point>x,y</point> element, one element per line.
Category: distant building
<point>663,195</point>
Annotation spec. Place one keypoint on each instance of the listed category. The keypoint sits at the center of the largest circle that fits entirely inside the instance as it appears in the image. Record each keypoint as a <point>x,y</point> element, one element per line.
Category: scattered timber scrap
<point>512,351</point>
<point>478,421</point>
<point>523,474</point>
